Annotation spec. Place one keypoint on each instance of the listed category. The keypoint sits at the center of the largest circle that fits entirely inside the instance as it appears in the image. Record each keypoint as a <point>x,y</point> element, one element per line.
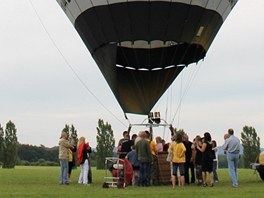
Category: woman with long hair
<point>198,157</point>
<point>207,159</point>
<point>83,160</point>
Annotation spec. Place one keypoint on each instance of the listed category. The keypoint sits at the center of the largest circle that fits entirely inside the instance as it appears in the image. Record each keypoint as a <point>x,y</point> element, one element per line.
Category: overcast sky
<point>40,93</point>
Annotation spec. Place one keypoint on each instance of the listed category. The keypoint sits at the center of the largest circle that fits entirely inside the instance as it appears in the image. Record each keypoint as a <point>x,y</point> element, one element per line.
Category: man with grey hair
<point>232,148</point>
<point>139,137</point>
<point>144,157</point>
<point>64,145</point>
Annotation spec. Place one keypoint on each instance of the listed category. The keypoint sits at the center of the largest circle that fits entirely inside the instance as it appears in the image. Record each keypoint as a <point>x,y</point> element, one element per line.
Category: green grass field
<point>43,182</point>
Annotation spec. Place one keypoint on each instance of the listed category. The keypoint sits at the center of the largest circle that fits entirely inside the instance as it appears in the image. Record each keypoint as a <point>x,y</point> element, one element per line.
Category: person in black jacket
<point>189,160</point>
<point>71,156</point>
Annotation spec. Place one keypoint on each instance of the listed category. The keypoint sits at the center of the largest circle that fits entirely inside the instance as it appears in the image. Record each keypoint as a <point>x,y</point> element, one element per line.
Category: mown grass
<point>43,182</point>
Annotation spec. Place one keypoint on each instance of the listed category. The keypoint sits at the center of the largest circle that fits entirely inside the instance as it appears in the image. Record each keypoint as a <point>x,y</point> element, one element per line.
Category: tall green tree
<point>66,129</point>
<point>105,143</point>
<point>74,134</point>
<point>1,143</point>
<point>71,132</point>
<point>251,145</point>
<point>10,146</point>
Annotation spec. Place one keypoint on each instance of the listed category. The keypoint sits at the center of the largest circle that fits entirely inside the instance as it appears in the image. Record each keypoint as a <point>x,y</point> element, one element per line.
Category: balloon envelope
<point>141,46</point>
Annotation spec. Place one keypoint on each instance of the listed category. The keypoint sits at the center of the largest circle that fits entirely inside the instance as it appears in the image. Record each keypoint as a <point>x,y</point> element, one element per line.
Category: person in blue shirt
<point>132,158</point>
<point>232,148</point>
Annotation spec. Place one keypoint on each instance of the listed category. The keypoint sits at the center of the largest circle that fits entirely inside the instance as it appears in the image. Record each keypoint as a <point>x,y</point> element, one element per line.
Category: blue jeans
<point>144,172</point>
<point>215,163</point>
<point>64,165</point>
<point>233,160</point>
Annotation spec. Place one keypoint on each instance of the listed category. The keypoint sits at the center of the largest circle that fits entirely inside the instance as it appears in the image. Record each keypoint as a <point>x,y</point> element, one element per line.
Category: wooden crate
<point>164,170</point>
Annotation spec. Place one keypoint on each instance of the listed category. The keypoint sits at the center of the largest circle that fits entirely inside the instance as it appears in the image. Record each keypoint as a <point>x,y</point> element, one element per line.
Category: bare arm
<point>202,149</point>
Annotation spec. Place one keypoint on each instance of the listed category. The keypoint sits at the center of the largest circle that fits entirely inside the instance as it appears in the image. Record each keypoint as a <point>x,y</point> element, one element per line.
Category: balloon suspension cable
<point>168,106</point>
<point>127,119</point>
<point>126,116</point>
<point>71,68</point>
<point>192,76</point>
<point>189,82</point>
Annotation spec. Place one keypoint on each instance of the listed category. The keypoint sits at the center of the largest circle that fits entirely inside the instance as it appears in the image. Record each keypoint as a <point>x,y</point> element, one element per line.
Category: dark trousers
<point>144,173</point>
<point>187,166</point>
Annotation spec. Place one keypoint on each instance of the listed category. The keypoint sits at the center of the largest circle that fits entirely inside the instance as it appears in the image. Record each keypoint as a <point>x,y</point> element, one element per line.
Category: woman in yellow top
<point>178,149</point>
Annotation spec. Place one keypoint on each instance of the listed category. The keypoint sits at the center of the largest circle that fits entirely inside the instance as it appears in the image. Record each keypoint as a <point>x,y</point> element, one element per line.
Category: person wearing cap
<point>64,147</point>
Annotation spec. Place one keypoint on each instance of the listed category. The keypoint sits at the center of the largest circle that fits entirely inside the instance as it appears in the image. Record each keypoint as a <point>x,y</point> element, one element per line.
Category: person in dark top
<point>189,160</point>
<point>124,139</point>
<point>197,159</point>
<point>125,148</point>
<point>71,156</point>
<point>90,177</point>
<point>207,160</point>
<point>144,157</point>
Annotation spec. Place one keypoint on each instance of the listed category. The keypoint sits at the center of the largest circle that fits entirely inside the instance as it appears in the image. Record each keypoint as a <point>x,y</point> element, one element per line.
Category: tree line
<point>30,155</point>
<point>12,153</point>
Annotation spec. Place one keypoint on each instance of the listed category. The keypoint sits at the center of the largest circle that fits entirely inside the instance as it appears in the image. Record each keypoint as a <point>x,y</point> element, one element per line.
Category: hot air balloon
<point>141,46</point>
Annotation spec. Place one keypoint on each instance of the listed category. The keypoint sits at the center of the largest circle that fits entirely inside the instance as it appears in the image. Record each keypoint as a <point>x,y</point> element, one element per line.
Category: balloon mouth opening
<point>153,69</point>
<point>143,44</point>
<point>155,55</point>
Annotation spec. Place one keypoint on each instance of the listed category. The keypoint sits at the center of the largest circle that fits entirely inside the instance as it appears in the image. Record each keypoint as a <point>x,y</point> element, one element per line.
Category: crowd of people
<point>190,162</point>
<point>142,152</point>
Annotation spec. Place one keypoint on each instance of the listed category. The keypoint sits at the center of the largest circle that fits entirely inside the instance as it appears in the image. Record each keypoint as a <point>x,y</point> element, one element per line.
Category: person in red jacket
<point>83,149</point>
